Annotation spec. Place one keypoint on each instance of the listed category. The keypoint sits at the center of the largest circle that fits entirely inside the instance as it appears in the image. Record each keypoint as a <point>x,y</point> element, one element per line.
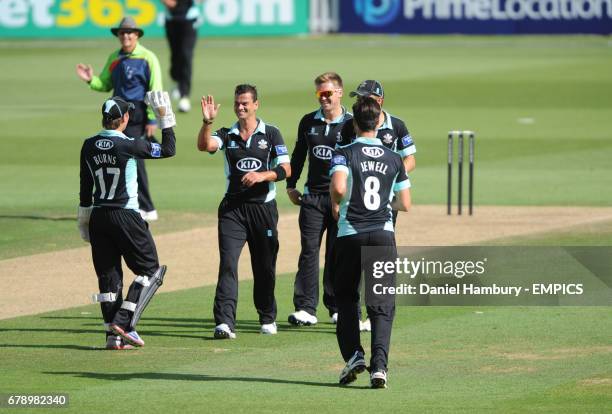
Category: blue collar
<point>319,116</point>
<point>261,127</point>
<point>368,141</point>
<point>387,124</point>
<point>113,133</point>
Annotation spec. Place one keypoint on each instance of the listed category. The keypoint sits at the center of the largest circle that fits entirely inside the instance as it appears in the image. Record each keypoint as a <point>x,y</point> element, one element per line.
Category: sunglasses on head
<point>324,94</point>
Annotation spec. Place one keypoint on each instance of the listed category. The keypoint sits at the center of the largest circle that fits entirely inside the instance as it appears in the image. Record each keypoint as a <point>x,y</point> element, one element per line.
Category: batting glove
<point>159,101</point>
<point>83,222</point>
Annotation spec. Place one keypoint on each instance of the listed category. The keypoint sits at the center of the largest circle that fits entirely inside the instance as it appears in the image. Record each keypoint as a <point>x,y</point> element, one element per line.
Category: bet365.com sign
<point>93,18</point>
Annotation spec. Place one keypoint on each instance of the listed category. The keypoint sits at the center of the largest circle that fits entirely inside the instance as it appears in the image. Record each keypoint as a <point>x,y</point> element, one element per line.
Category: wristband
<point>207,121</point>
<point>281,174</point>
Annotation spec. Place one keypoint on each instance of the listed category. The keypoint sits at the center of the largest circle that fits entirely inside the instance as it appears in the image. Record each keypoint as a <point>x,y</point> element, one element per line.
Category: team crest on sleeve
<point>281,150</point>
<point>155,150</point>
<point>407,141</point>
<point>262,144</point>
<point>338,160</point>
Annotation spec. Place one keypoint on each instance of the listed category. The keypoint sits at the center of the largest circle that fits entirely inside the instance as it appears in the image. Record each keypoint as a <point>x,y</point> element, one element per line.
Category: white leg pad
<point>131,306</point>
<point>142,280</point>
<point>104,297</point>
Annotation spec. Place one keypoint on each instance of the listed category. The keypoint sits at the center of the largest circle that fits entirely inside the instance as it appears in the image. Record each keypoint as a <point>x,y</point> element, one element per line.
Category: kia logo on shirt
<point>248,164</point>
<point>322,152</point>
<point>374,152</point>
<point>104,144</point>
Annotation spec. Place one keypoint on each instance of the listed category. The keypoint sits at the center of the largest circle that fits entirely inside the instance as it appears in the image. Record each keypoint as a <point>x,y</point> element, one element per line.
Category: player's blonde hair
<point>328,77</point>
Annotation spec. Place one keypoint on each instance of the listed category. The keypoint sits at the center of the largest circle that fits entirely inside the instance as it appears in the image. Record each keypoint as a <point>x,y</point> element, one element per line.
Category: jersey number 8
<point>371,198</point>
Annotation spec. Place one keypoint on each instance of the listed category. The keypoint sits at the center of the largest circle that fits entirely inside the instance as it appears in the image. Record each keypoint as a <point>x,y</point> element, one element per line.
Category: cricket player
<point>391,131</point>
<point>365,177</point>
<point>130,72</point>
<point>317,135</point>
<point>109,218</point>
<point>255,158</point>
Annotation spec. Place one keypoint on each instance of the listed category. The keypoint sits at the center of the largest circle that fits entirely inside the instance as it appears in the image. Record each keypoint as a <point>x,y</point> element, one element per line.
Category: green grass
<point>488,84</point>
<point>442,360</point>
<point>589,234</point>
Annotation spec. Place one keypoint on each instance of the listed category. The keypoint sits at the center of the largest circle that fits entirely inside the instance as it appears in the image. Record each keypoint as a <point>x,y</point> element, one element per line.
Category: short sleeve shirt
<point>263,151</point>
<point>374,174</point>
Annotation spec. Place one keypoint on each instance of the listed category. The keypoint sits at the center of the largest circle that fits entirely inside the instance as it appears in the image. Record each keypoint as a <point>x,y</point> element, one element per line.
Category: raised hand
<point>209,109</point>
<point>85,72</point>
<point>162,107</point>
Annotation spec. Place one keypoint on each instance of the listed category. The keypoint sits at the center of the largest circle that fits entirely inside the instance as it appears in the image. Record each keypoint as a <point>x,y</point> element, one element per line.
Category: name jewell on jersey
<point>375,166</point>
<point>374,173</point>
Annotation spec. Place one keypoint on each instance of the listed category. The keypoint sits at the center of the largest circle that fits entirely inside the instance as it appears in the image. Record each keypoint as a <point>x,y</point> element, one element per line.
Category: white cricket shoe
<point>223,331</point>
<point>301,318</point>
<point>365,326</point>
<point>334,318</point>
<point>269,328</point>
<point>355,365</point>
<point>184,104</point>
<point>378,379</point>
<point>115,342</point>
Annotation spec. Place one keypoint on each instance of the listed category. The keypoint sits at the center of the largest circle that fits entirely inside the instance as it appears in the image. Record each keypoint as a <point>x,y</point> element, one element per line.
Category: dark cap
<point>115,108</point>
<point>369,88</point>
<point>127,23</point>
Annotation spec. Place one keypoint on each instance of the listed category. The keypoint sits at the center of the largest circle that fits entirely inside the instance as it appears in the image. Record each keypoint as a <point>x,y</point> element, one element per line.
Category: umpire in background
<point>131,72</point>
<point>108,215</point>
<point>317,135</point>
<point>365,174</point>
<point>181,19</point>
<point>255,158</point>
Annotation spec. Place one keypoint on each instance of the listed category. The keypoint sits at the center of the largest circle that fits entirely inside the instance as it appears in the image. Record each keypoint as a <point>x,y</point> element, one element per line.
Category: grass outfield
<point>442,360</point>
<point>538,105</point>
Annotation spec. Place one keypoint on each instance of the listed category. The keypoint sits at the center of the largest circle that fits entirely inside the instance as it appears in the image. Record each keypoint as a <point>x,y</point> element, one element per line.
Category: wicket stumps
<point>449,192</point>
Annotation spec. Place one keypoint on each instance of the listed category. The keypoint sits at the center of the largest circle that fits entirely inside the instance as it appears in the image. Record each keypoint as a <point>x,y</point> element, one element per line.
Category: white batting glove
<point>159,101</point>
<point>83,222</point>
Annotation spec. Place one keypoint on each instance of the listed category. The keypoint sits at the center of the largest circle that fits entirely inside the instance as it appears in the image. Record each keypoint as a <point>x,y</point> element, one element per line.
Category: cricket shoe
<point>378,379</point>
<point>355,365</point>
<point>302,318</point>
<point>334,318</point>
<point>116,342</point>
<point>223,331</point>
<point>184,104</point>
<point>365,326</point>
<point>130,337</point>
<point>269,328</point>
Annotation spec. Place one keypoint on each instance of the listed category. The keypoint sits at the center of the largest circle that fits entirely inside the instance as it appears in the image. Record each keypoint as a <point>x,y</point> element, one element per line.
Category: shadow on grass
<point>62,346</point>
<point>203,324</point>
<point>38,218</point>
<point>190,377</point>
